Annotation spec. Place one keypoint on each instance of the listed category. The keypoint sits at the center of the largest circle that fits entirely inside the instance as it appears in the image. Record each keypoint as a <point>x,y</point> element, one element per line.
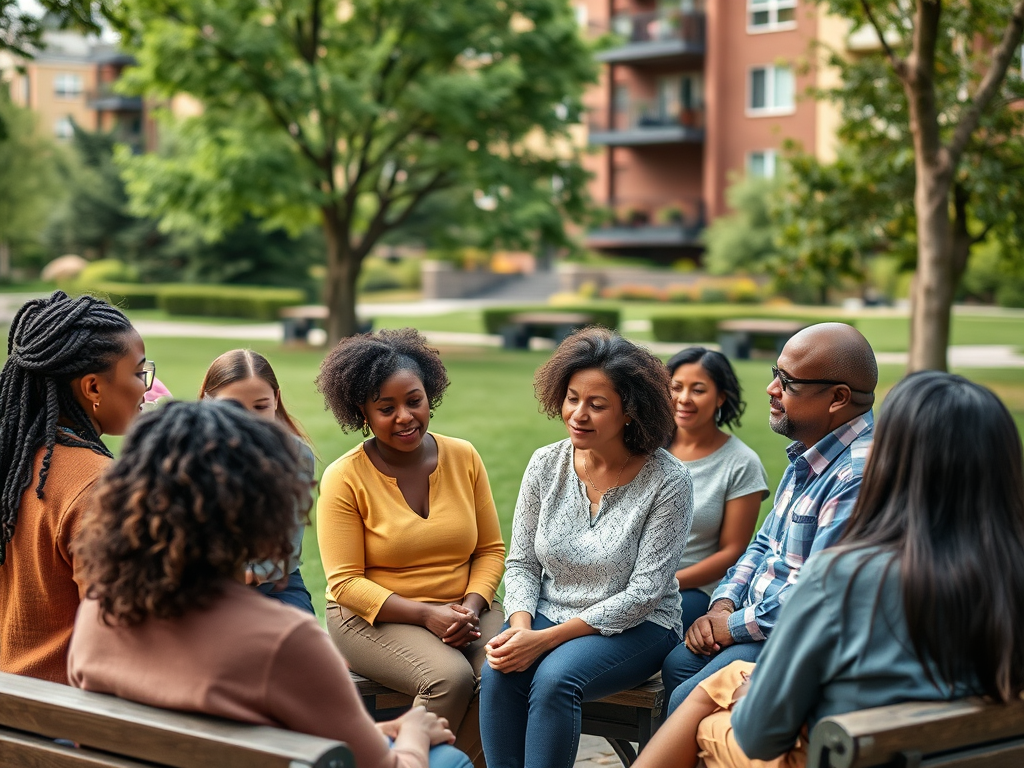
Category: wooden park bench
<point>737,337</point>
<point>298,321</point>
<point>969,733</point>
<point>522,326</point>
<point>122,734</point>
<point>622,718</point>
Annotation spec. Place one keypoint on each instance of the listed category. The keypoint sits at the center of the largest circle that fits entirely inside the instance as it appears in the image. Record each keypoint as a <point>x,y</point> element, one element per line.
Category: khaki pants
<point>414,661</point>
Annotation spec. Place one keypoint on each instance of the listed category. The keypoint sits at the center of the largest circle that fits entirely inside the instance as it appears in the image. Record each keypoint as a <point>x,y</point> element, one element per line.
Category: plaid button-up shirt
<point>812,505</point>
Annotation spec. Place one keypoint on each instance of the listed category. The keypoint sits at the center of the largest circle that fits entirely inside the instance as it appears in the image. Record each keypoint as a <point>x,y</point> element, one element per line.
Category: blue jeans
<point>532,718</point>
<point>684,669</point>
<point>445,756</point>
<point>295,594</point>
<point>695,605</point>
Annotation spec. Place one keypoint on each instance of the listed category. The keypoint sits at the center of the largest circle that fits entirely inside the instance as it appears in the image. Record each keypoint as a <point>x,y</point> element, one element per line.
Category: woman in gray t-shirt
<point>729,481</point>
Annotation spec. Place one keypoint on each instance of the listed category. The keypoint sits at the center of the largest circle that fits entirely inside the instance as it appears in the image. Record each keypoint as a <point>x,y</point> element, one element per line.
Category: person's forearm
<point>475,603</point>
<point>520,620</point>
<point>401,610</point>
<point>569,630</point>
<point>709,570</point>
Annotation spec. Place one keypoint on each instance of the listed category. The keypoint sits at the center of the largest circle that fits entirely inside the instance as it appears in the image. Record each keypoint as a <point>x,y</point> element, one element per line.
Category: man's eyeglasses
<point>785,380</point>
<point>148,374</point>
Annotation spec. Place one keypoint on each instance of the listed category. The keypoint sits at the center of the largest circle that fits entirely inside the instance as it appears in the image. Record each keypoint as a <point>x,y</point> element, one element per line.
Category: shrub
<point>495,318</point>
<point>633,293</point>
<point>127,295</point>
<point>712,294</point>
<point>680,294</point>
<point>744,291</point>
<point>1011,294</point>
<point>388,274</point>
<point>700,323</point>
<point>107,271</point>
<point>254,303</point>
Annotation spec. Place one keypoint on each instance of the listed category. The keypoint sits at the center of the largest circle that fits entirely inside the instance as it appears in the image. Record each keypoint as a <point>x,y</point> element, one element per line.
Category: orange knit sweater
<point>38,592</point>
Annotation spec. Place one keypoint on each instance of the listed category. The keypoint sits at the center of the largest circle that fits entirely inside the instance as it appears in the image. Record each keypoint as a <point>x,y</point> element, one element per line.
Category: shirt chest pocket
<point>799,539</point>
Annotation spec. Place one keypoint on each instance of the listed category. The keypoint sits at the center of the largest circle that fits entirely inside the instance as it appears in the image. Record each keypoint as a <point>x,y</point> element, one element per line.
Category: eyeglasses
<point>785,380</point>
<point>148,374</point>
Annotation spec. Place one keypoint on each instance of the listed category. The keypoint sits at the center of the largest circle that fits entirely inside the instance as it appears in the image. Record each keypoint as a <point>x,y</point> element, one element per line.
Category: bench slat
<point>147,733</point>
<point>26,751</point>
<point>874,736</point>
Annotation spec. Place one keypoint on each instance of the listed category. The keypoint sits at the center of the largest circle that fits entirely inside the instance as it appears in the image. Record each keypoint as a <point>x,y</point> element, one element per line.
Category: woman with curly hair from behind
<point>408,531</point>
<point>201,490</point>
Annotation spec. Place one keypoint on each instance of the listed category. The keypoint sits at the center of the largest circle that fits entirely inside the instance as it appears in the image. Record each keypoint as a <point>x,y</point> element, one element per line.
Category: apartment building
<point>694,94</point>
<point>72,79</point>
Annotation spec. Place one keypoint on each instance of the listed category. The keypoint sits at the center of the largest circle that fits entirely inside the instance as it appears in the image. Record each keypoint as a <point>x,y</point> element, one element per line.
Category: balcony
<point>656,37</point>
<point>642,224</point>
<point>644,123</point>
<point>106,99</point>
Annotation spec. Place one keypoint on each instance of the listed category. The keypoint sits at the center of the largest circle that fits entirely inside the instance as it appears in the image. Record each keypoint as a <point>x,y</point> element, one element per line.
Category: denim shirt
<point>812,505</point>
<point>268,570</point>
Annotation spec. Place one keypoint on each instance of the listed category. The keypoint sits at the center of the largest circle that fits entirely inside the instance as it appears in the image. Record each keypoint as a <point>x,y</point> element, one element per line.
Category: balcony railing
<point>645,123</point>
<point>650,224</point>
<point>106,99</point>
<point>656,35</point>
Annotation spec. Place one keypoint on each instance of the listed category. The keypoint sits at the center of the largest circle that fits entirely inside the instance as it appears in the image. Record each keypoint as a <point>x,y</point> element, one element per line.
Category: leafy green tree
<point>352,115</point>
<point>934,118</point>
<point>28,183</point>
<point>94,219</point>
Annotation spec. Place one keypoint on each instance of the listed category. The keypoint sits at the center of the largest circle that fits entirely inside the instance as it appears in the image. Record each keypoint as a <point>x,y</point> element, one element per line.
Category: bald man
<point>820,397</point>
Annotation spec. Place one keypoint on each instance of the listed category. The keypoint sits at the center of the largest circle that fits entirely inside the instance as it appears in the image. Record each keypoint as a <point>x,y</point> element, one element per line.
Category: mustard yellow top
<point>373,545</point>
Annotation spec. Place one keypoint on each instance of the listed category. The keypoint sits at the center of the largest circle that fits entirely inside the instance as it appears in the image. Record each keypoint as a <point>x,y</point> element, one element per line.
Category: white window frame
<point>770,158</point>
<point>772,7</point>
<point>61,81</point>
<point>771,109</point>
<point>63,129</point>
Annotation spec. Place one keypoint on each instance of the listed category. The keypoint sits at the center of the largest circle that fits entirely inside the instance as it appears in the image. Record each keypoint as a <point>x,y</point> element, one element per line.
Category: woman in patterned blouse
<point>591,599</point>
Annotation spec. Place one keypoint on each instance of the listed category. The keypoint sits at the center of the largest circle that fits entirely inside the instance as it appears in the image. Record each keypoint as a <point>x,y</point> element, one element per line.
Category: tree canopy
<point>352,114</point>
<point>932,146</point>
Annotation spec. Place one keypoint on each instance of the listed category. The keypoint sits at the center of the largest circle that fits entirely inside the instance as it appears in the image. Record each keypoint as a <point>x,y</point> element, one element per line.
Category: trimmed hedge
<point>252,303</point>
<point>497,317</point>
<point>701,323</point>
<point>124,295</point>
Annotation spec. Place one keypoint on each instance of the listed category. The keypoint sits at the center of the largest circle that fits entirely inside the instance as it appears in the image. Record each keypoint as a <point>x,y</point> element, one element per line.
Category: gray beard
<point>781,425</point>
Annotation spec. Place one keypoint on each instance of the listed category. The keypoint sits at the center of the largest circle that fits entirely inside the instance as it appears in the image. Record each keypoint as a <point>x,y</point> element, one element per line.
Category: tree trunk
<point>935,283</point>
<point>5,260</point>
<point>340,285</point>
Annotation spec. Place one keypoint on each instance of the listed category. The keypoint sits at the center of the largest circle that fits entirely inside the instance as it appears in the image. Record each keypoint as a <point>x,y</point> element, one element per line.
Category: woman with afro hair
<point>408,531</point>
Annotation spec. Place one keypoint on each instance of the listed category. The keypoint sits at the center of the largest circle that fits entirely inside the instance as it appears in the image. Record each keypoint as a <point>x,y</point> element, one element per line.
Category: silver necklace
<point>586,471</point>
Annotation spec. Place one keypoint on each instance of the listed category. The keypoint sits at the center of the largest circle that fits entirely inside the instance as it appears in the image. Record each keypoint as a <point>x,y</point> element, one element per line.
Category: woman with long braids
<point>76,370</point>
<point>201,490</point>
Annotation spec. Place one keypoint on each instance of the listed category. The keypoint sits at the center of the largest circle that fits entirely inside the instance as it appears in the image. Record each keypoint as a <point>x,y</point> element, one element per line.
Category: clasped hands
<point>710,633</point>
<point>456,624</point>
<point>516,648</point>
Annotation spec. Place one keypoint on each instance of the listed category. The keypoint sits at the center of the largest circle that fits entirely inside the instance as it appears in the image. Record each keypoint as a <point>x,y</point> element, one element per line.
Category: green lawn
<point>490,402</point>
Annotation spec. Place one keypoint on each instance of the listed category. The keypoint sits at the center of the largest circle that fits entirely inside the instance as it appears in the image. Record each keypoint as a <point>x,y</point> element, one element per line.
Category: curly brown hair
<point>355,370</point>
<point>639,378</point>
<point>200,490</point>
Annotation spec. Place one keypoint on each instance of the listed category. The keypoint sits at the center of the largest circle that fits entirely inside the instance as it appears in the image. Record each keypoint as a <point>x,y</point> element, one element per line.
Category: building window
<point>63,128</point>
<point>770,15</point>
<point>771,91</point>
<point>582,17</point>
<point>761,165</point>
<point>67,86</point>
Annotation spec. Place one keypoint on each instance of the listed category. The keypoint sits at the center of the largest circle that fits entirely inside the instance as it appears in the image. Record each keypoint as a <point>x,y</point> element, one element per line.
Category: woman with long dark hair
<point>76,370</point>
<point>923,598</point>
<point>199,491</point>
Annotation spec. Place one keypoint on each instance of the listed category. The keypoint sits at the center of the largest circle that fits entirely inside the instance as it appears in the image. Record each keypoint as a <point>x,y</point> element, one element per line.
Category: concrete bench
<point>521,327</point>
<point>970,733</point>
<point>298,321</point>
<point>622,718</point>
<point>122,734</point>
<point>736,337</point>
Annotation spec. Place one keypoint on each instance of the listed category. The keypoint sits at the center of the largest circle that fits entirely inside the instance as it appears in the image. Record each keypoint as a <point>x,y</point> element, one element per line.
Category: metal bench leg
<point>624,750</point>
